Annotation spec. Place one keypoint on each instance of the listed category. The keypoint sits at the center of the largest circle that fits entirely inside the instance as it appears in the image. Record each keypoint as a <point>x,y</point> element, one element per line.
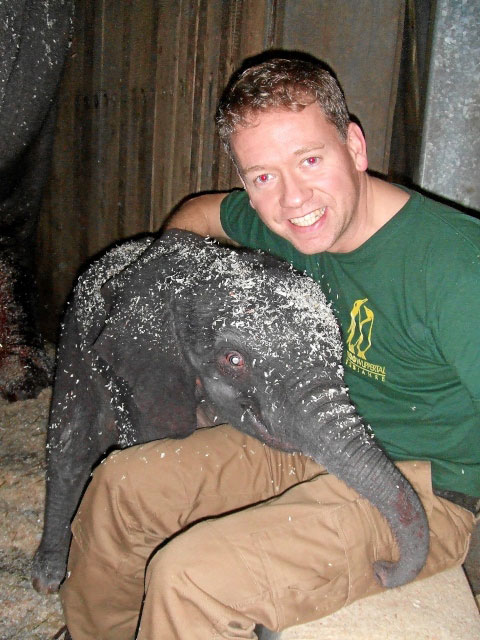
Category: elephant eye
<point>235,359</point>
<point>231,363</point>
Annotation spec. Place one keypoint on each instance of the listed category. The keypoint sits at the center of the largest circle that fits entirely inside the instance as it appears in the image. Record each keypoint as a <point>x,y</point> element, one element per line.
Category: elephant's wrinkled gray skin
<point>158,328</point>
<point>34,39</point>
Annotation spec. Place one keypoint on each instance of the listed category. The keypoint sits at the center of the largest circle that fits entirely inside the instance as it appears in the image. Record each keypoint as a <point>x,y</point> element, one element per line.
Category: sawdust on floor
<point>24,614</point>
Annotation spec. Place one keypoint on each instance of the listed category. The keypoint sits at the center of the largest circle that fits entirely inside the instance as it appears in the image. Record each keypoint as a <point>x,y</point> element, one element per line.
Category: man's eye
<point>263,178</point>
<point>312,161</point>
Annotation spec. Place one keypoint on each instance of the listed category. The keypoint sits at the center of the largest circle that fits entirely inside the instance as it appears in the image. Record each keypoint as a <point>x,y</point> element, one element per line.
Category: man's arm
<point>201,215</point>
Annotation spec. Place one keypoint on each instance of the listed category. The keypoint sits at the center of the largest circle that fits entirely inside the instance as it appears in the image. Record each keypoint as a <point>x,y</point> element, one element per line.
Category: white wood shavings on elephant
<point>281,316</point>
<point>253,300</point>
<point>88,288</point>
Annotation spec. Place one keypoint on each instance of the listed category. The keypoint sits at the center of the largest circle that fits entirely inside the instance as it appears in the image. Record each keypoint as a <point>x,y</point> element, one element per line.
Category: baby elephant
<point>160,330</point>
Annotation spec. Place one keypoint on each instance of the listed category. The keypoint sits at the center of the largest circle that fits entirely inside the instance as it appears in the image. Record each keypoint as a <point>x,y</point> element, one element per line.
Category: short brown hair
<point>280,83</point>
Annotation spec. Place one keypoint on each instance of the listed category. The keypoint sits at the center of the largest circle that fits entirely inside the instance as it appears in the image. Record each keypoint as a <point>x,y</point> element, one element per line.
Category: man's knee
<point>193,561</point>
<point>184,552</point>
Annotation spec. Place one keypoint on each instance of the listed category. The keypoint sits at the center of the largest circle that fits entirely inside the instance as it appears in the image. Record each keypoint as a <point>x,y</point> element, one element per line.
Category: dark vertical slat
<point>164,108</point>
<point>138,83</point>
<point>185,136</point>
<point>213,50</point>
<point>95,213</point>
<point>197,88</point>
<point>79,84</point>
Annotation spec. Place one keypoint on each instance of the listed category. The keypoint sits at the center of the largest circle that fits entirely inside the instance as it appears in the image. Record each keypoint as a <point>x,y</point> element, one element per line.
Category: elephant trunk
<point>375,477</point>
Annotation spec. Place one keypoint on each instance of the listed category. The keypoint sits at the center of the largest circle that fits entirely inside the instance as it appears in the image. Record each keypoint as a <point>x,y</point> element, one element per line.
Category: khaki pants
<point>293,543</point>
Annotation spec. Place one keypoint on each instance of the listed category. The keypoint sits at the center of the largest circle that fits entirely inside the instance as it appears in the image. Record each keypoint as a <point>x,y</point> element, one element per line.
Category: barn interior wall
<point>135,132</point>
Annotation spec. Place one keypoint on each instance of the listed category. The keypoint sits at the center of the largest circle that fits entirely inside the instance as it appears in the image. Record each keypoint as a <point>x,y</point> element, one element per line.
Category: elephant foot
<point>24,372</point>
<point>44,586</point>
<point>47,574</point>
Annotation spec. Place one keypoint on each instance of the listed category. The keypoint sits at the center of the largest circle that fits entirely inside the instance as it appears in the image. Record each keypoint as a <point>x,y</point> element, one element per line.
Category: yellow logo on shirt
<point>359,341</point>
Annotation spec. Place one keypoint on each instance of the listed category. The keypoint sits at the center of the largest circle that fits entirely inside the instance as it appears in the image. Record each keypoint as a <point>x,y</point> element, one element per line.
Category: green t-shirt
<point>408,302</point>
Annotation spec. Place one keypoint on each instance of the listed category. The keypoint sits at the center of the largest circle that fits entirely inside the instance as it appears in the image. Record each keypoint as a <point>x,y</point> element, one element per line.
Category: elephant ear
<point>139,344</point>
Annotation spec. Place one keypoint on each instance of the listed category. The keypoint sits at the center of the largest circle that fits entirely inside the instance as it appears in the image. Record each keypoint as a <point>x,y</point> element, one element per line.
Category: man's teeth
<point>310,218</point>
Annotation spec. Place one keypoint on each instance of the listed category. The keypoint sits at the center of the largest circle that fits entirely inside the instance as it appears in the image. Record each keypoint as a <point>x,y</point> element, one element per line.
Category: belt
<point>471,503</point>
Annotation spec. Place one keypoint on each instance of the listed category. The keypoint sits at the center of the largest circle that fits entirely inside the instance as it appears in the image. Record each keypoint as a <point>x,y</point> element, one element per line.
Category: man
<point>293,543</point>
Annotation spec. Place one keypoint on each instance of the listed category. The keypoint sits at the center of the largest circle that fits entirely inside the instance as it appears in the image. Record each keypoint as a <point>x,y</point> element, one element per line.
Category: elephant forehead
<point>275,308</point>
<point>281,317</point>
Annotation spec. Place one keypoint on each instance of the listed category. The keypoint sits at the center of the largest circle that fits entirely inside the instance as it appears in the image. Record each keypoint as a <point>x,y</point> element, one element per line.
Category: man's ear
<point>357,146</point>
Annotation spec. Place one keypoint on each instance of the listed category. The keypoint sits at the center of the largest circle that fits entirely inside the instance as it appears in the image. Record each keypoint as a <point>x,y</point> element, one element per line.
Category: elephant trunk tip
<point>409,525</point>
<point>382,571</point>
<point>389,574</point>
<point>395,574</point>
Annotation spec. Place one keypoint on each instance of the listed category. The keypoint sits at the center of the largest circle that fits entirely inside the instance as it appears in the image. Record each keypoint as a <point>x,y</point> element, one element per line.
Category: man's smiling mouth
<point>309,218</point>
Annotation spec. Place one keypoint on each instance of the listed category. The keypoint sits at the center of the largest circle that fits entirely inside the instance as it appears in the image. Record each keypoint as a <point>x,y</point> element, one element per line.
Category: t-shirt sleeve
<point>242,224</point>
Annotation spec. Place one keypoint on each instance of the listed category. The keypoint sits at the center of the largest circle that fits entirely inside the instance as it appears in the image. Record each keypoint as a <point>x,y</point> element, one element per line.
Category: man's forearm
<point>201,215</point>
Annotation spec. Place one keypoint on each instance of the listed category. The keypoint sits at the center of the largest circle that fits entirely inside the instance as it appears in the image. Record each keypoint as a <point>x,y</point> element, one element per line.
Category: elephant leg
<point>64,490</point>
<point>70,463</point>
<point>81,431</point>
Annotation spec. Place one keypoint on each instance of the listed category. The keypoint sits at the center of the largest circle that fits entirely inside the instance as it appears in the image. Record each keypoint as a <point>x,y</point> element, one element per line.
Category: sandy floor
<point>24,614</point>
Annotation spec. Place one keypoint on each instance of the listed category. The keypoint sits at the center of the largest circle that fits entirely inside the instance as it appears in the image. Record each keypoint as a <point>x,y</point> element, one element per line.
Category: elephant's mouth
<point>265,432</point>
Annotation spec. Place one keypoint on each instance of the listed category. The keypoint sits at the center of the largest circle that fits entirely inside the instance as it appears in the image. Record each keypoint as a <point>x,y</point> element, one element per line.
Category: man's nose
<point>294,192</point>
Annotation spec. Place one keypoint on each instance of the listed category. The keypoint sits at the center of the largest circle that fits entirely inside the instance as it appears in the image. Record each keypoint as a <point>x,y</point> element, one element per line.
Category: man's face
<point>302,179</point>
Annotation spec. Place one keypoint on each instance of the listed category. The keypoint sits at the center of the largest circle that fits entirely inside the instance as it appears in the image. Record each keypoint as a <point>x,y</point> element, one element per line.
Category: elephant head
<point>257,345</point>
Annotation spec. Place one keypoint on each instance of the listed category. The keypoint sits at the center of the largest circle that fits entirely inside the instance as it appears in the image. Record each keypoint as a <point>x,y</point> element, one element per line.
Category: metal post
<point>450,154</point>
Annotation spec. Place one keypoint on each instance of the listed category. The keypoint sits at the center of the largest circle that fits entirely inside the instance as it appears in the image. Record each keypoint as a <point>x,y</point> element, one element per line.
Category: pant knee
<point>184,561</point>
<point>180,553</point>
